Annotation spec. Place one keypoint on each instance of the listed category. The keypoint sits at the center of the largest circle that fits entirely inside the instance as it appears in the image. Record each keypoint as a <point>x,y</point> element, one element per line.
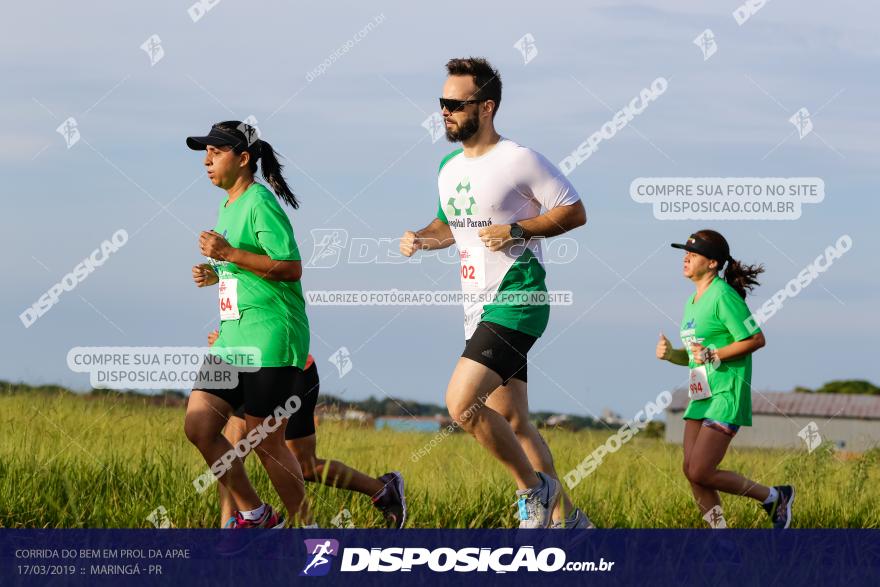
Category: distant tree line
<point>849,386</point>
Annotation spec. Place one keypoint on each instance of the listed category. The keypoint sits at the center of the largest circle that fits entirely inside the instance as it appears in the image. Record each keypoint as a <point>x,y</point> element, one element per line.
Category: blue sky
<point>353,135</point>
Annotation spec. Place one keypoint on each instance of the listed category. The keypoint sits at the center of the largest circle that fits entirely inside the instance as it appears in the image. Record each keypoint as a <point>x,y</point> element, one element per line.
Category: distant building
<point>557,420</point>
<point>611,418</point>
<point>323,412</point>
<point>797,420</point>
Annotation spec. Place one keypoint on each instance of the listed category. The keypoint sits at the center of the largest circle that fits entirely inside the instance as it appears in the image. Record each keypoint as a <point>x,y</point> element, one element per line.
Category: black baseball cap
<point>718,251</point>
<point>221,135</point>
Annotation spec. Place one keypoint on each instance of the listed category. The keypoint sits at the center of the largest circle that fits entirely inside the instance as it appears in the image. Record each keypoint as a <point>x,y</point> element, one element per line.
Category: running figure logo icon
<point>328,248</point>
<point>802,122</point>
<point>318,552</point>
<point>153,47</point>
<point>526,46</point>
<point>706,42</point>
<point>70,131</point>
<point>810,435</point>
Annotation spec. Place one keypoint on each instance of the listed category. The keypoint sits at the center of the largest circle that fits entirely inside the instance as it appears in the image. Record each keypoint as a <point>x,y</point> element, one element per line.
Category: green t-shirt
<point>717,319</point>
<point>272,314</point>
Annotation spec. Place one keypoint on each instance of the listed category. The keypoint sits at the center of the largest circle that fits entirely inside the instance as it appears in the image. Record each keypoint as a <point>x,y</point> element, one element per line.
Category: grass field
<point>69,461</point>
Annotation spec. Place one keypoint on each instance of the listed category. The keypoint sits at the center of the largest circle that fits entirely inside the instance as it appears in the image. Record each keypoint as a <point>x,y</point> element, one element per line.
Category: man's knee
<point>522,427</point>
<point>463,413</point>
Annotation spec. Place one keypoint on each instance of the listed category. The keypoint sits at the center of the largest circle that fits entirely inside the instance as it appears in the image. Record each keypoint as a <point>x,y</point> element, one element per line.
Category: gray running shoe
<point>536,505</point>
<point>576,520</point>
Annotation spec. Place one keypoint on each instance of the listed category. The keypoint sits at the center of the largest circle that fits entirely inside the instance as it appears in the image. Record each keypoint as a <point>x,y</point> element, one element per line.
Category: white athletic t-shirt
<point>508,184</point>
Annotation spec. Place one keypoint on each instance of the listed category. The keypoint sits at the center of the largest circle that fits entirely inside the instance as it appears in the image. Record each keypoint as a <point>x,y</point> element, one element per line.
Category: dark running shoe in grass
<point>269,519</point>
<point>392,501</point>
<point>780,510</point>
<point>576,520</point>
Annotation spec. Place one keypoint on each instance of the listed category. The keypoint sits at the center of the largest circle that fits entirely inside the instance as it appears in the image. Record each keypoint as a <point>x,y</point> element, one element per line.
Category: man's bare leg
<point>468,389</point>
<point>511,401</point>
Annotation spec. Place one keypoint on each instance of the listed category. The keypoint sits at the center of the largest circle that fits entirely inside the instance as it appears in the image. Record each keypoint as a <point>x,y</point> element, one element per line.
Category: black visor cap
<point>695,244</point>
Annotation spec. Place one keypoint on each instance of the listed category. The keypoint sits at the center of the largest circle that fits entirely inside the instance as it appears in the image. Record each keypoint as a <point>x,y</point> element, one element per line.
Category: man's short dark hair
<point>486,78</point>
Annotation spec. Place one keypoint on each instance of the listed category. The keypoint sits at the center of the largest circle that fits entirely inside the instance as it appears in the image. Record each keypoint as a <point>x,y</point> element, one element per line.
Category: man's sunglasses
<point>454,105</point>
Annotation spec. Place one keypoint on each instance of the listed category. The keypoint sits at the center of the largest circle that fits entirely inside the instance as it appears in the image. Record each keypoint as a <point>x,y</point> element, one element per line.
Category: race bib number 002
<point>473,267</point>
<point>229,299</point>
<point>699,384</point>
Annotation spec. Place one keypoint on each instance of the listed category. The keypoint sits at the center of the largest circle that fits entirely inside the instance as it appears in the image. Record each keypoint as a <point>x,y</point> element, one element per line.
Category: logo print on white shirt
<point>462,200</point>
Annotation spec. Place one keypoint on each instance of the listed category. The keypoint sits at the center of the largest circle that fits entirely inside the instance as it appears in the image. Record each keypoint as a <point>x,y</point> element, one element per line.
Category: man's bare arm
<point>436,235</point>
<point>556,221</point>
<point>553,222</point>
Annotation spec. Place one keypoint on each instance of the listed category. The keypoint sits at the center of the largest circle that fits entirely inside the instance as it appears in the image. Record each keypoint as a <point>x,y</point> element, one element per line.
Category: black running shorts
<point>501,349</point>
<point>302,422</point>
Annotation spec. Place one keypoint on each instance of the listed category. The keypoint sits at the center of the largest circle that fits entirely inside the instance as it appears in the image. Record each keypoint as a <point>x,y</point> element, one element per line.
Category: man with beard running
<point>492,192</point>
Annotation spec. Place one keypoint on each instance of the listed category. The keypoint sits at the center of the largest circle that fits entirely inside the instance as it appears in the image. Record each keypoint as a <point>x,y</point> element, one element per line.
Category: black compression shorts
<point>302,422</point>
<point>501,349</point>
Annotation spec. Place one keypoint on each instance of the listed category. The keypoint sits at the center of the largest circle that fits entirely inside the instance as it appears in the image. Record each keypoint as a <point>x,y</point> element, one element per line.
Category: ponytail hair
<point>741,277</point>
<point>260,150</point>
<point>271,170</point>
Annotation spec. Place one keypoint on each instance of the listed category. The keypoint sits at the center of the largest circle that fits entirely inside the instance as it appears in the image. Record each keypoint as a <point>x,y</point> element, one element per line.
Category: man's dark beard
<point>465,130</point>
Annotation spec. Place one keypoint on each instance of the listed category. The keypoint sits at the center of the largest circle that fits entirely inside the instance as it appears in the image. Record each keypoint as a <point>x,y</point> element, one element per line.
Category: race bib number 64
<point>229,299</point>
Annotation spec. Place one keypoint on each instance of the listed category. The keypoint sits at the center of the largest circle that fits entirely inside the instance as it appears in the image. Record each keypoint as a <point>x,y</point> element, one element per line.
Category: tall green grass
<point>69,461</point>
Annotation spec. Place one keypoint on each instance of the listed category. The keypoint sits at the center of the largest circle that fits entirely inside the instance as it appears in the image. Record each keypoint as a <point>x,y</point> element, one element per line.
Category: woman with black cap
<point>719,338</point>
<point>255,259</point>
